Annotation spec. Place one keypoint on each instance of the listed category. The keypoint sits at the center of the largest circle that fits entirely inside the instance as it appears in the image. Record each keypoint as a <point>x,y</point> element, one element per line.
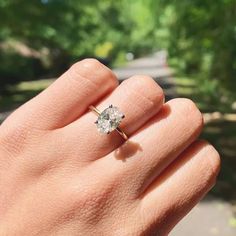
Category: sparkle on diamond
<point>109,119</point>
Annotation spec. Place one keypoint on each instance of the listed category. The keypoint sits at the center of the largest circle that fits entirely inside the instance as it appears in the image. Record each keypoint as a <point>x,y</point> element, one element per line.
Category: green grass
<point>185,86</point>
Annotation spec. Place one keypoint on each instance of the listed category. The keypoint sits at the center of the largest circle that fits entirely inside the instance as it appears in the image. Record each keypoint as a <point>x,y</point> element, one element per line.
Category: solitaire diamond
<point>109,119</point>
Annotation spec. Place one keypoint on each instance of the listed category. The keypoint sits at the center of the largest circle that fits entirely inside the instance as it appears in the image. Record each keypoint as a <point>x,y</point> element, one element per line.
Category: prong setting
<point>109,119</point>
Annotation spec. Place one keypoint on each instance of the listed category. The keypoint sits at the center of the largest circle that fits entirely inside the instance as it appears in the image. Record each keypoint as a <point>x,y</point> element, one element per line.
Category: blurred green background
<point>40,39</point>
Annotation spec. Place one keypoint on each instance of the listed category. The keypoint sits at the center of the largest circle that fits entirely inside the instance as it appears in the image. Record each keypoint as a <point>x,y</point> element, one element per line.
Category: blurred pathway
<point>211,217</point>
<point>154,66</point>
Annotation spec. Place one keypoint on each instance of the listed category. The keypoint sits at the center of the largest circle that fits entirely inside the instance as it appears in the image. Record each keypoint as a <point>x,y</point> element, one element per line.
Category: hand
<point>60,176</point>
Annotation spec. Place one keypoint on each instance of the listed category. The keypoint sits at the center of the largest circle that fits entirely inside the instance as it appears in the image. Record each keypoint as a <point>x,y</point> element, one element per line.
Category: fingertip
<point>208,153</point>
<point>95,71</point>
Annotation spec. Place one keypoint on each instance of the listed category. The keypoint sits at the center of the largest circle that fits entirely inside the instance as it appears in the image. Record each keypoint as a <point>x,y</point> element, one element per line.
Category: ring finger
<point>139,98</point>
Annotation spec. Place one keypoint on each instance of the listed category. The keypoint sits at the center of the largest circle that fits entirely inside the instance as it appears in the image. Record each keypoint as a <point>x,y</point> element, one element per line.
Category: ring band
<point>109,120</point>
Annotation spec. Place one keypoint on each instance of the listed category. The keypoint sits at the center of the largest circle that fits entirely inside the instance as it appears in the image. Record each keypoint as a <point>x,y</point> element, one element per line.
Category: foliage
<point>202,43</point>
<point>200,37</point>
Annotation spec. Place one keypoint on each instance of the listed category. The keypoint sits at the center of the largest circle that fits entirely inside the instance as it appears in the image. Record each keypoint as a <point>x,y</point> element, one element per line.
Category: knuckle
<point>213,156</point>
<point>13,139</point>
<point>191,112</point>
<point>93,70</point>
<point>85,66</point>
<point>18,137</point>
<point>146,86</point>
<point>91,63</point>
<point>189,104</point>
<point>143,81</point>
<point>143,78</point>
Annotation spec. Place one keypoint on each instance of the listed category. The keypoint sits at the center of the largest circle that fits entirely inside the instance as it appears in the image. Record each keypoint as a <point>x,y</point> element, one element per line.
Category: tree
<point>202,40</point>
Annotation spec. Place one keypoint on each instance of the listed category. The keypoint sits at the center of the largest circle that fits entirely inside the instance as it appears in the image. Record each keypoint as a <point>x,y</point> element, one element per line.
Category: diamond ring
<point>109,120</point>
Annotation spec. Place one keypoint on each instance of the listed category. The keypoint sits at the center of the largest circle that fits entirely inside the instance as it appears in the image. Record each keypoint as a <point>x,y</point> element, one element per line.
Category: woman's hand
<point>60,176</point>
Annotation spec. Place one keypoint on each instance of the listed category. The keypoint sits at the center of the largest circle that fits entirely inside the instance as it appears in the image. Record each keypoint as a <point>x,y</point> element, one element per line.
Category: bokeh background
<point>188,46</point>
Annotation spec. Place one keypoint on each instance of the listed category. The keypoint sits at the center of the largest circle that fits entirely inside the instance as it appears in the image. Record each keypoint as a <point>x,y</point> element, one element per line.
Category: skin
<point>60,176</point>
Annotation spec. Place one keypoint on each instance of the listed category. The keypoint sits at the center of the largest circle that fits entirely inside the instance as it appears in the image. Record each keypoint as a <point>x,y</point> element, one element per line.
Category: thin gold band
<point>118,129</point>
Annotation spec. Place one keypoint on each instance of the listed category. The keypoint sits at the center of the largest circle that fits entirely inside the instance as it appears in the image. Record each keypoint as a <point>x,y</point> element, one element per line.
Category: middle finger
<point>148,152</point>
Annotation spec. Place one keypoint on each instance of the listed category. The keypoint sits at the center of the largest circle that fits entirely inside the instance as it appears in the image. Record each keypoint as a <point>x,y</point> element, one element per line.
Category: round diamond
<point>109,119</point>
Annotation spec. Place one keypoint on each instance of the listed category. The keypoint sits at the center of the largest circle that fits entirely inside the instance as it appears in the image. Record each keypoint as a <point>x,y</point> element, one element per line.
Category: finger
<point>69,96</point>
<point>180,187</point>
<point>156,145</point>
<point>139,98</point>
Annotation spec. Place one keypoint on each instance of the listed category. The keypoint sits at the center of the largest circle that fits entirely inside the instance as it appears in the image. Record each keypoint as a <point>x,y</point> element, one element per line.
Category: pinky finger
<point>173,194</point>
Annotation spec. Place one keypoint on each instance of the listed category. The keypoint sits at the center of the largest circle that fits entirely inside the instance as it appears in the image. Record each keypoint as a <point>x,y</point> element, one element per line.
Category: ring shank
<point>95,110</point>
<point>122,133</point>
<point>118,129</point>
